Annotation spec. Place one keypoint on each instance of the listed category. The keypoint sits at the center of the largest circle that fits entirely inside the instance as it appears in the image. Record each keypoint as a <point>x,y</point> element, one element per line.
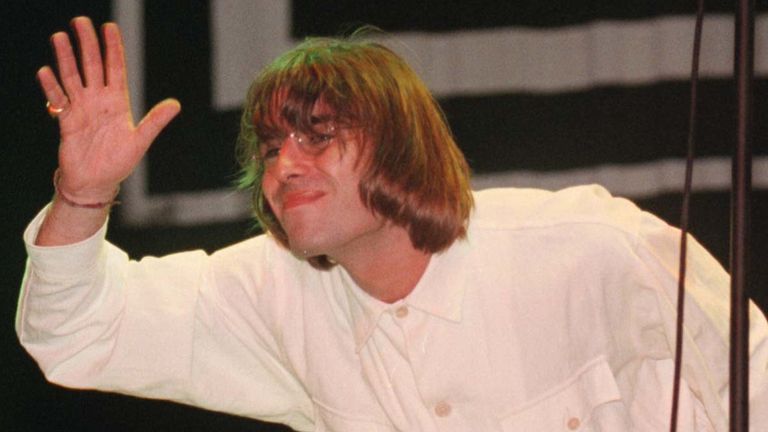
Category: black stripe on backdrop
<point>603,125</point>
<point>196,151</point>
<point>311,17</point>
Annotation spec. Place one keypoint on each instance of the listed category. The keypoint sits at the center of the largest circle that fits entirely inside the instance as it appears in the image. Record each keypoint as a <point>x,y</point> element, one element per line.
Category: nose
<point>290,162</point>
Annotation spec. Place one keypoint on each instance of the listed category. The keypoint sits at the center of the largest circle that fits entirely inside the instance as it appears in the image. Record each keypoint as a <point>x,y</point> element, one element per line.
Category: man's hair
<point>415,175</point>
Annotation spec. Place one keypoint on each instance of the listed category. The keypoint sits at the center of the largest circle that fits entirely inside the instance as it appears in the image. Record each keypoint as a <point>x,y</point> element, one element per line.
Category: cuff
<point>66,260</point>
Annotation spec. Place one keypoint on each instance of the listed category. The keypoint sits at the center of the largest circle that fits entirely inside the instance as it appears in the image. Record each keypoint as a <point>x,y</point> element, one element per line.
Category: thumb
<point>157,119</point>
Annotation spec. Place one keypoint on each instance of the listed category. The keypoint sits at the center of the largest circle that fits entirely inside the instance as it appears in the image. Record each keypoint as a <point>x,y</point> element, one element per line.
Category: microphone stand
<point>740,220</point>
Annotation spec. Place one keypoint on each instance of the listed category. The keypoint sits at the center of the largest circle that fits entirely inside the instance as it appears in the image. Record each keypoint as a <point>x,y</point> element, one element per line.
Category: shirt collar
<point>439,292</point>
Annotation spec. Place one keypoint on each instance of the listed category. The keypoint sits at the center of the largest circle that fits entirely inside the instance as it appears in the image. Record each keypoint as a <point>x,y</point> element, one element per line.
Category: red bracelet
<point>72,203</point>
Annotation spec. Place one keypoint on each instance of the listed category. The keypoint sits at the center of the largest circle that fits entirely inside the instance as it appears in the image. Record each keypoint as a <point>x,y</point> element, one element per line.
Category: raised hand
<point>100,143</point>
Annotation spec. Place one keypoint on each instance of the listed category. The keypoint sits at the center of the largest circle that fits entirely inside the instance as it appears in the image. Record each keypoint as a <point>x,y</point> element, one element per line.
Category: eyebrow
<point>322,118</point>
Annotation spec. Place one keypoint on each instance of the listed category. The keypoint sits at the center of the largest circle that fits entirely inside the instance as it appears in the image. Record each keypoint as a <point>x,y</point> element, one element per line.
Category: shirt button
<point>442,409</point>
<point>574,423</point>
<point>401,312</point>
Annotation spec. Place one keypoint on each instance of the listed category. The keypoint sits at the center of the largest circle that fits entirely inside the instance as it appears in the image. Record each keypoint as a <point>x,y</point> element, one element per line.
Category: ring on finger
<point>54,111</point>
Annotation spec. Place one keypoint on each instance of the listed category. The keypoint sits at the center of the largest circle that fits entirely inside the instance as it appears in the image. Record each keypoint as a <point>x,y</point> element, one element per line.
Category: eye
<point>271,153</point>
<point>269,148</point>
<point>321,137</point>
<point>320,140</point>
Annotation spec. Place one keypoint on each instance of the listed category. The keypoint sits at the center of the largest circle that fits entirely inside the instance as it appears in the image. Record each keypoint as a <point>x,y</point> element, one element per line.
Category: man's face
<point>311,183</point>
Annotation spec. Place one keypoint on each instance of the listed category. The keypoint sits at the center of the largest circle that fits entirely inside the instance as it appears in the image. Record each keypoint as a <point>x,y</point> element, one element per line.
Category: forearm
<point>65,290</point>
<point>85,309</point>
<point>93,319</point>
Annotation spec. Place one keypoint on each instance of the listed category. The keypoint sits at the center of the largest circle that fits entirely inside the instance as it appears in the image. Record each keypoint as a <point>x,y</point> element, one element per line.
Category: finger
<point>157,119</point>
<point>51,88</point>
<point>115,57</point>
<point>90,53</point>
<point>65,59</point>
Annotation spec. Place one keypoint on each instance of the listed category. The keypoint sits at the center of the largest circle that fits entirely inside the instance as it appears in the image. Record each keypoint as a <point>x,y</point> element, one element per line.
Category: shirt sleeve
<point>706,332</point>
<point>93,318</point>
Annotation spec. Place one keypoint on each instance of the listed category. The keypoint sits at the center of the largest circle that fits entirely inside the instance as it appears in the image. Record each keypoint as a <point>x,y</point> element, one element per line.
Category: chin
<point>305,248</point>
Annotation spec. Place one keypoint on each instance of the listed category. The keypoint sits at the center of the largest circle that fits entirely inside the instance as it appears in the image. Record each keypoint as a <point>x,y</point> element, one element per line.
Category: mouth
<point>295,199</point>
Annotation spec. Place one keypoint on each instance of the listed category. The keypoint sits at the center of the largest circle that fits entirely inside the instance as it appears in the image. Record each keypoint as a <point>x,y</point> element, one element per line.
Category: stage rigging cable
<point>740,220</point>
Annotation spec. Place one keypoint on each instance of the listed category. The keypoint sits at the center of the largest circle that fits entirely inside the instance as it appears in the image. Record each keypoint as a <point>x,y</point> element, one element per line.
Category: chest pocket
<point>587,402</point>
<point>330,420</point>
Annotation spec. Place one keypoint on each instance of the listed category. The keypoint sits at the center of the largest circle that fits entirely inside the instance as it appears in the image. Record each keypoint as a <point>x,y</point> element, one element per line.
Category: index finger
<point>115,56</point>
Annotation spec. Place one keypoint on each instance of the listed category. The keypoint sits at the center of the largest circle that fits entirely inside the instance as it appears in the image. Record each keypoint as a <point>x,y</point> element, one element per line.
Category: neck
<point>387,270</point>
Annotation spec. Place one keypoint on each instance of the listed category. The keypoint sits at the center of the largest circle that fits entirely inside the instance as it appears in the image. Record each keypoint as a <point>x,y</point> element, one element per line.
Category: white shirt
<point>556,313</point>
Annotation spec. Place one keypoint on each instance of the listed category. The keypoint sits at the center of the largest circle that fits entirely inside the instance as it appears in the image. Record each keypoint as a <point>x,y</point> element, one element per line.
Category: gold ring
<point>52,110</point>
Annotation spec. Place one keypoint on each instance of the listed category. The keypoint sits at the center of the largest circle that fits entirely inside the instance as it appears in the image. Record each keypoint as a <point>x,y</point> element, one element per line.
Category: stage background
<point>538,94</point>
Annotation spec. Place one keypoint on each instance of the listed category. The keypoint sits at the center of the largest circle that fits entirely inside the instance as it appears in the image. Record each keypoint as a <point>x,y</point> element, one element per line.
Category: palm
<point>100,144</point>
<point>104,145</point>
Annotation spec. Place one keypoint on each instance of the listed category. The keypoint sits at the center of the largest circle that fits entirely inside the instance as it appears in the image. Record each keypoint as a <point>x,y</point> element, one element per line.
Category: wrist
<point>85,201</point>
<point>65,224</point>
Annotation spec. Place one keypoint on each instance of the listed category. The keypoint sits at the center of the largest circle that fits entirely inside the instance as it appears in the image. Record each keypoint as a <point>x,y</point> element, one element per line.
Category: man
<point>386,295</point>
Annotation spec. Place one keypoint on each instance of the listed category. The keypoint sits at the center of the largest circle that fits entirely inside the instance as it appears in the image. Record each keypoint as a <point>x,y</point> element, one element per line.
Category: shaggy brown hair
<point>416,176</point>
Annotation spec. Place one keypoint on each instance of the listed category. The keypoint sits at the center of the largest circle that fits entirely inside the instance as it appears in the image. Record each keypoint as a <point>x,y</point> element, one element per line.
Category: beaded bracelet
<point>72,203</point>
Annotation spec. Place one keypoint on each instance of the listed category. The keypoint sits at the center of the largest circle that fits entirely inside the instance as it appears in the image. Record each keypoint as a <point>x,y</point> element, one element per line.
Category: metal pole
<point>740,220</point>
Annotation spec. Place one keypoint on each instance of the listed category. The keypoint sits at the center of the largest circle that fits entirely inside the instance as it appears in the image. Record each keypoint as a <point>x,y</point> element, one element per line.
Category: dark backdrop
<point>618,130</point>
